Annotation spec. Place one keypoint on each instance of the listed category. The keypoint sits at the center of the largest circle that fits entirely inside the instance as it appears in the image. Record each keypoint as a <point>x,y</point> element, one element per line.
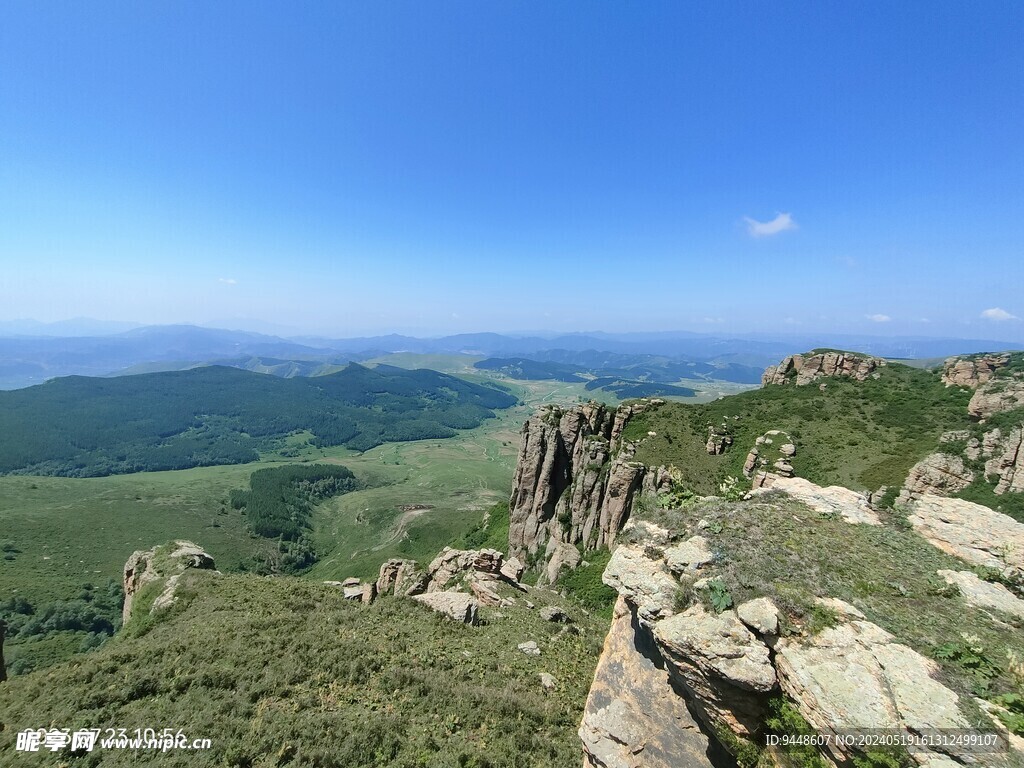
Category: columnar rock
<point>973,370</point>
<point>718,441</point>
<point>575,480</point>
<point>1005,459</point>
<point>165,563</point>
<point>633,717</point>
<point>939,474</point>
<point>805,369</point>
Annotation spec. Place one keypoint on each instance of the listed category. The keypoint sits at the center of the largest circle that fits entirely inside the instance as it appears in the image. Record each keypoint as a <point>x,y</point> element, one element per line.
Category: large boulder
<point>853,507</point>
<point>633,717</point>
<point>453,564</point>
<point>164,563</point>
<point>996,396</point>
<point>984,594</point>
<point>939,474</point>
<point>972,532</point>
<point>727,667</point>
<point>855,676</point>
<point>972,371</point>
<point>400,577</point>
<point>646,583</point>
<point>455,605</point>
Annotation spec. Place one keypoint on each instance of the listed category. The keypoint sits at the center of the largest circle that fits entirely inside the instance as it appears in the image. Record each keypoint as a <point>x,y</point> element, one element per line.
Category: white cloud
<point>878,318</point>
<point>780,223</point>
<point>227,280</point>
<point>998,314</point>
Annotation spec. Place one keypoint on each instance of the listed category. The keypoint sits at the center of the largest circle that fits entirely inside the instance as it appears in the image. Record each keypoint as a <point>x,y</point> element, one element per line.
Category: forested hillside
<point>85,427</point>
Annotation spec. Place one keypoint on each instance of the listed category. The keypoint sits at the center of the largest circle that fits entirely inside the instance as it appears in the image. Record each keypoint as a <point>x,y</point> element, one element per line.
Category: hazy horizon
<point>434,169</point>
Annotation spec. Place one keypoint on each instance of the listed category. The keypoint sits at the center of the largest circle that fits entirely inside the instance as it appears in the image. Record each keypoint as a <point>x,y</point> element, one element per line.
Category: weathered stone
<point>690,555</point>
<point>645,583</point>
<point>717,442</point>
<point>559,556</point>
<point>996,396</point>
<point>855,676</point>
<point>453,564</point>
<point>164,562</point>
<point>530,648</point>
<point>556,614</point>
<point>939,474</point>
<point>351,581</point>
<point>725,666</point>
<point>984,594</point>
<point>974,533</point>
<point>400,577</point>
<point>513,569</point>
<point>760,615</point>
<point>456,605</point>
<point>575,480</point>
<point>853,507</point>
<point>802,370</point>
<point>548,681</point>
<point>633,717</point>
<point>973,370</point>
<point>1005,459</point>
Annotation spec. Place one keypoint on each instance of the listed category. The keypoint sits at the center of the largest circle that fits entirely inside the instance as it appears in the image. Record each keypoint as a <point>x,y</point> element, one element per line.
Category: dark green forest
<point>79,426</point>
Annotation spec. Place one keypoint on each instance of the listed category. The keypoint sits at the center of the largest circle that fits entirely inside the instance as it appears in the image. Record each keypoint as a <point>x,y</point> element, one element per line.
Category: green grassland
<point>284,672</point>
<point>861,435</point>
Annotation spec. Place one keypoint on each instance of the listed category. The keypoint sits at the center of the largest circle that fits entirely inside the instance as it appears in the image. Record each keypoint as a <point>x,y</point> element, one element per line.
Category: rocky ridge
<point>806,369</point>
<point>727,664</point>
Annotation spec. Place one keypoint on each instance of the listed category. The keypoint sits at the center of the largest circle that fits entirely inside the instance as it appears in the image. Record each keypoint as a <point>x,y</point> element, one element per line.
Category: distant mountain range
<point>32,352</point>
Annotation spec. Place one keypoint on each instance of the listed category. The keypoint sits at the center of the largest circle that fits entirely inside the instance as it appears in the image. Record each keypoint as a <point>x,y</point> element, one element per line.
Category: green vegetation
<point>286,672</point>
<point>279,501</point>
<point>84,427</point>
<point>490,533</point>
<point>861,435</point>
<point>584,584</point>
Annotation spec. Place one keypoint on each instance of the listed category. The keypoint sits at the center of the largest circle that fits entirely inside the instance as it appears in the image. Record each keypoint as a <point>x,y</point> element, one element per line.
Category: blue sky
<point>430,167</point>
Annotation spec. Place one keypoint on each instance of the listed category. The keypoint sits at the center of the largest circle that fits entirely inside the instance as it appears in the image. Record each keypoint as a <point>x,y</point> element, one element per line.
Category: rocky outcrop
<point>805,369</point>
<point>575,481</point>
<point>973,370</point>
<point>1005,454</point>
<point>455,605</point>
<point>855,675</point>
<point>851,506</point>
<point>165,563</point>
<point>996,396</point>
<point>644,723</point>
<point>974,533</point>
<point>984,594</point>
<point>718,441</point>
<point>400,577</point>
<point>939,474</point>
<point>770,458</point>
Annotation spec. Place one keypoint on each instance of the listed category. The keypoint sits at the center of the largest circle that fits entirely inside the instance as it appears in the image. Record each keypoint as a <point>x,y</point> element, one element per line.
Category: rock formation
<point>718,441</point>
<point>939,474</point>
<point>984,594</point>
<point>575,482</point>
<point>805,369</point>
<point>456,605</point>
<point>972,371</point>
<point>853,507</point>
<point>164,563</point>
<point>644,723</point>
<point>1005,454</point>
<point>996,396</point>
<point>974,533</point>
<point>400,577</point>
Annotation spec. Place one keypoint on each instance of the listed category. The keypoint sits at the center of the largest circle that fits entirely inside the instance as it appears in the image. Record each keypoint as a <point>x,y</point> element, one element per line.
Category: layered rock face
<point>802,370</point>
<point>575,481</point>
<point>939,474</point>
<point>166,563</point>
<point>996,396</point>
<point>972,371</point>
